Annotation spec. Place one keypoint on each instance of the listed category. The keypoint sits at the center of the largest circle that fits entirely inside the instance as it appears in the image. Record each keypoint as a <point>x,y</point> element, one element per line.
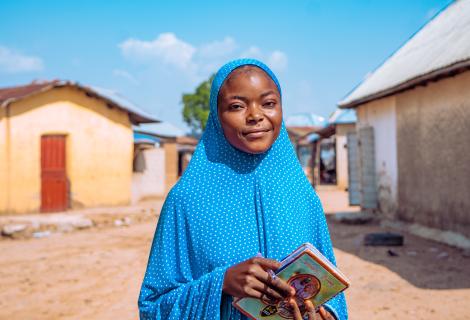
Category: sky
<point>151,52</point>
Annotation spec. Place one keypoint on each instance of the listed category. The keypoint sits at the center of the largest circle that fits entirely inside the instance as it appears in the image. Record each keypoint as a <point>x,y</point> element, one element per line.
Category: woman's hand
<point>250,278</point>
<point>322,314</point>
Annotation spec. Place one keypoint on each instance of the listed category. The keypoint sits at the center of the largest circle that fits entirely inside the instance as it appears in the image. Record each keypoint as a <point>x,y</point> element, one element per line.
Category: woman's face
<point>250,111</point>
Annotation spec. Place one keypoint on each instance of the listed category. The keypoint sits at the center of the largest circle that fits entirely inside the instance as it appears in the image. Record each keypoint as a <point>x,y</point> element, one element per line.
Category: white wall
<point>150,183</point>
<point>341,162</point>
<point>342,154</point>
<point>381,115</point>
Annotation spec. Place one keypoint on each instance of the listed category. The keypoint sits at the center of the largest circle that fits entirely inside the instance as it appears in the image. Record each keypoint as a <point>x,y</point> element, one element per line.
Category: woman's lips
<point>256,134</point>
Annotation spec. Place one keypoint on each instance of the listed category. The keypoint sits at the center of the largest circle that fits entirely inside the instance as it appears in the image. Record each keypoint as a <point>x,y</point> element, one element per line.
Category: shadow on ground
<point>423,263</point>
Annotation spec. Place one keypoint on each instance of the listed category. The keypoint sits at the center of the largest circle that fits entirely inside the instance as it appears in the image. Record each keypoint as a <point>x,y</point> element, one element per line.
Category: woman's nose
<point>254,115</point>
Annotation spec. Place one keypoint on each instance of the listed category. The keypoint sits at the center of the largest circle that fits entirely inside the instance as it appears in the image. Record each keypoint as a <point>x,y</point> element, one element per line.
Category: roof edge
<point>135,117</point>
<point>164,136</point>
<point>47,87</point>
<point>435,75</point>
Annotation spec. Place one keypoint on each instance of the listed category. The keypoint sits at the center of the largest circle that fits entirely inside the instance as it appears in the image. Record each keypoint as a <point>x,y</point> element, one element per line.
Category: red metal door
<point>53,176</point>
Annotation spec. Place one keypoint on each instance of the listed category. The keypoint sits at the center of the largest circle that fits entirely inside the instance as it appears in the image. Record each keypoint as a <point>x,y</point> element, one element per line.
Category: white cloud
<point>126,75</point>
<point>15,62</point>
<point>277,60</point>
<point>195,62</point>
<point>218,48</point>
<point>166,47</point>
<point>252,52</point>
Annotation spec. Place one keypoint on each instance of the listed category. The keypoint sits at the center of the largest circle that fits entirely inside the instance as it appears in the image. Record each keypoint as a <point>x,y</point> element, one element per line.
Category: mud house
<point>320,145</point>
<point>161,153</point>
<point>344,123</point>
<point>413,127</point>
<point>340,124</point>
<point>64,145</point>
<point>148,168</point>
<point>301,127</point>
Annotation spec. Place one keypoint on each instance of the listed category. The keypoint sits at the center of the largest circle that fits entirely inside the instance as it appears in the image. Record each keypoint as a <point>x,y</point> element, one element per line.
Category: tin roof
<point>343,116</point>
<point>441,48</point>
<point>162,129</point>
<point>305,120</point>
<point>312,137</point>
<point>12,94</point>
<point>140,138</point>
<point>136,113</point>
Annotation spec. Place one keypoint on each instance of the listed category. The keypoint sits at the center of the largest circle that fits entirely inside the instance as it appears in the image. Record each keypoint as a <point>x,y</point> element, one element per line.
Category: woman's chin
<point>251,145</point>
<point>256,148</point>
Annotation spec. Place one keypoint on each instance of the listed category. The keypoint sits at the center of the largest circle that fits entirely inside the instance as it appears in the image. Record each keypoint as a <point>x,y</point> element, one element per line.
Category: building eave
<point>422,80</point>
<point>134,117</point>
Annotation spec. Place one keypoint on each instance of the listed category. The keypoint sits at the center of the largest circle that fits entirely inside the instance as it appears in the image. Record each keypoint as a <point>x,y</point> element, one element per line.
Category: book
<point>312,275</point>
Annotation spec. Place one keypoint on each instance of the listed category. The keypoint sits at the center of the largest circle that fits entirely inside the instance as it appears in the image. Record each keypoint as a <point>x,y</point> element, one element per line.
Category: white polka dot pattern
<point>227,207</point>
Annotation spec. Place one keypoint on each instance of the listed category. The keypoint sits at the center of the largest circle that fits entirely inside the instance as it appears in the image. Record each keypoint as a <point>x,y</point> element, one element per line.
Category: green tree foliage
<point>196,106</point>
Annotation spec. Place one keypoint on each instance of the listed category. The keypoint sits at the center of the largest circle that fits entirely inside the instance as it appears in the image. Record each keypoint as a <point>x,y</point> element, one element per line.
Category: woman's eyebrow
<point>239,98</point>
<point>267,93</point>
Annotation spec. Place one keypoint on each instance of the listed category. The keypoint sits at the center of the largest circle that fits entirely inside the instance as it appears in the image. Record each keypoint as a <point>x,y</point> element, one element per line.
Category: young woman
<point>243,196</point>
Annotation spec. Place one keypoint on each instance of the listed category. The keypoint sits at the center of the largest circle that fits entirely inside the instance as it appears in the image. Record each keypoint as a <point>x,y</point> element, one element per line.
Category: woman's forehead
<point>244,70</point>
<point>245,73</point>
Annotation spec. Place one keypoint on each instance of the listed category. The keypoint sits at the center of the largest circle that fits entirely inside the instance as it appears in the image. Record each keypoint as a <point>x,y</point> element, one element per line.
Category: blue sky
<point>153,51</point>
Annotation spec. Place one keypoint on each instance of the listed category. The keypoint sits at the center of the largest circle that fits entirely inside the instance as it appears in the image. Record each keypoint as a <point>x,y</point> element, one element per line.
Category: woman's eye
<point>236,107</point>
<point>270,104</point>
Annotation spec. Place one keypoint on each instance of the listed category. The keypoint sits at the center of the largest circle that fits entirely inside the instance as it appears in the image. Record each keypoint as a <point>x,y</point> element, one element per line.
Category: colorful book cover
<point>314,278</point>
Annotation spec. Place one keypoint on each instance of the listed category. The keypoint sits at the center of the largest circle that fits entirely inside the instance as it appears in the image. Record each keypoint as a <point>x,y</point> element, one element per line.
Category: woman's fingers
<point>310,310</point>
<point>280,286</point>
<point>267,264</point>
<point>260,271</point>
<point>269,292</point>
<point>325,314</point>
<point>258,294</point>
<point>253,293</point>
<point>295,309</point>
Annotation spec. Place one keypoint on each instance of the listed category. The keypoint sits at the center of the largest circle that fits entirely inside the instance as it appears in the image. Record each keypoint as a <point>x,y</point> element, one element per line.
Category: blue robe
<point>228,206</point>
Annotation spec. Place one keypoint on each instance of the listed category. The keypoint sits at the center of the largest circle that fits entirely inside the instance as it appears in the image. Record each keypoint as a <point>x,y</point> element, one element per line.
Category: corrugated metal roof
<point>161,129</point>
<point>312,137</point>
<point>305,120</point>
<point>343,116</point>
<point>145,138</point>
<point>11,94</point>
<point>440,48</point>
<point>140,115</point>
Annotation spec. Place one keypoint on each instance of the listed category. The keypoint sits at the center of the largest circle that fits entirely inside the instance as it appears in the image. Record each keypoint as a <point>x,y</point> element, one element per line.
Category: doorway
<point>54,187</point>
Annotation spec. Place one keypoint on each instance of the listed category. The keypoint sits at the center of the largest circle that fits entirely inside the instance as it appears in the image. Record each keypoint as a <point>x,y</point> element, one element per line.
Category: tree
<point>196,106</point>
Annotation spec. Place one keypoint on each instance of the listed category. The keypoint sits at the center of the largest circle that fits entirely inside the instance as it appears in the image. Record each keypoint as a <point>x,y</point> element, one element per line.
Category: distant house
<point>161,153</point>
<point>301,127</point>
<point>65,145</point>
<point>341,124</point>
<point>148,168</point>
<point>414,127</point>
<point>328,151</point>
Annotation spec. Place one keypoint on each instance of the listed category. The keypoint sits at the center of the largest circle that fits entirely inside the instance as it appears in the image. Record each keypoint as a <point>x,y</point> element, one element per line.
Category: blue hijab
<point>228,206</point>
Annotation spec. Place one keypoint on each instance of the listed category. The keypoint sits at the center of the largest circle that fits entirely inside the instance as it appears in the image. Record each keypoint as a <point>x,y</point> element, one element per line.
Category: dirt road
<point>96,274</point>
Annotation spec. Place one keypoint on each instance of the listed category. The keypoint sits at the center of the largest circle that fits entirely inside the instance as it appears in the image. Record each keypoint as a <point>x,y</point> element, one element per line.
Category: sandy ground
<point>96,274</point>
